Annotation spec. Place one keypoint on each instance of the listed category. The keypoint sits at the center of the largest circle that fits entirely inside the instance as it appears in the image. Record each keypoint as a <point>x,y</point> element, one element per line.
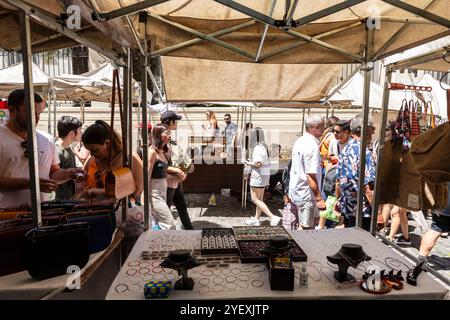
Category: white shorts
<point>307,212</point>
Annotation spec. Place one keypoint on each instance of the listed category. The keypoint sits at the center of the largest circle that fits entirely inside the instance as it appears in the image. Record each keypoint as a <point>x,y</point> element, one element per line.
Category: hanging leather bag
<point>430,154</point>
<point>404,186</point>
<point>119,183</point>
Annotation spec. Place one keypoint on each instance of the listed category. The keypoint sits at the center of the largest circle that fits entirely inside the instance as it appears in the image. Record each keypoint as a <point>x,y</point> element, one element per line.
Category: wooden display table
<point>251,281</point>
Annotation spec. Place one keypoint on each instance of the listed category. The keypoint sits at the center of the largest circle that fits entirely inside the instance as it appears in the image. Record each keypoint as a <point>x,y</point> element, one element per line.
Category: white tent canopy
<point>353,90</point>
<point>95,85</point>
<point>12,78</point>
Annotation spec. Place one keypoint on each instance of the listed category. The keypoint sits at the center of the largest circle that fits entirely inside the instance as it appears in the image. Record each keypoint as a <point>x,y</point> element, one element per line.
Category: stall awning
<point>197,80</point>
<point>12,78</point>
<point>326,31</point>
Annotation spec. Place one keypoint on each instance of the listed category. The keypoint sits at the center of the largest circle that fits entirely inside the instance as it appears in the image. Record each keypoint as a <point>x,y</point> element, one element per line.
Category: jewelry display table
<point>236,280</point>
<point>20,286</point>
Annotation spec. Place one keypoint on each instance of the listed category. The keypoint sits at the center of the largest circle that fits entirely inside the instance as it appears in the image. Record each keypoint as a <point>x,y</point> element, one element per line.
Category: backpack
<point>329,181</point>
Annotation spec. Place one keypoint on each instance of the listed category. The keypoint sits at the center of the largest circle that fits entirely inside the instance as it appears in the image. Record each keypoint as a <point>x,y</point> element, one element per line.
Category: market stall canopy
<point>95,85</point>
<point>353,90</point>
<point>321,31</point>
<point>190,80</point>
<point>12,78</point>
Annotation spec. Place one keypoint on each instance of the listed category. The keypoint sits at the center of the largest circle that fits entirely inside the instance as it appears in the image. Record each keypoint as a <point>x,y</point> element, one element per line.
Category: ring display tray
<point>218,241</point>
<point>252,239</point>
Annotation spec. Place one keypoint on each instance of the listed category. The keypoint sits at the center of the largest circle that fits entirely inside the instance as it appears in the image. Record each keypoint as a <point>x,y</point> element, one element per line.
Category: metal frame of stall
<point>366,63</point>
<point>399,65</point>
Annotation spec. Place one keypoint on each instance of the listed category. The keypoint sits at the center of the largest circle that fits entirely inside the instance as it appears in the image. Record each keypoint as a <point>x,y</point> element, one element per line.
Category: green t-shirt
<point>66,191</point>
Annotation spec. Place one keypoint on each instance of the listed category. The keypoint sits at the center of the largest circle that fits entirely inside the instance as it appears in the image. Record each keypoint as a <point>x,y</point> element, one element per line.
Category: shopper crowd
<point>320,184</point>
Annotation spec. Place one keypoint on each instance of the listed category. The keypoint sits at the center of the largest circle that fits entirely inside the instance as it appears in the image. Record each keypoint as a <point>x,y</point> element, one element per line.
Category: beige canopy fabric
<point>198,80</point>
<point>345,29</point>
<point>208,16</point>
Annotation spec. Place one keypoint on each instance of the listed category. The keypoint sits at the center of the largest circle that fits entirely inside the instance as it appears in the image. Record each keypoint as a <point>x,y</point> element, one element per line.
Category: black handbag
<point>49,251</point>
<point>12,234</point>
<point>102,226</point>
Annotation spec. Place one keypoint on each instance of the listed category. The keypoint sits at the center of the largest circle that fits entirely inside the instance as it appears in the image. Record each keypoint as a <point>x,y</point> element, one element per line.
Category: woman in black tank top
<point>158,164</point>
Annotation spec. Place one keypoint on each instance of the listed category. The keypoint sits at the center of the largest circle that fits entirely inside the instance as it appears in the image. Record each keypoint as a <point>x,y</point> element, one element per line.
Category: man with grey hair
<point>348,174</point>
<point>306,174</point>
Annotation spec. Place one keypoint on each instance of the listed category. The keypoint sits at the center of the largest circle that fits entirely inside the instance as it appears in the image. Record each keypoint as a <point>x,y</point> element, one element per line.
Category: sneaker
<point>275,221</point>
<point>403,241</point>
<point>252,222</point>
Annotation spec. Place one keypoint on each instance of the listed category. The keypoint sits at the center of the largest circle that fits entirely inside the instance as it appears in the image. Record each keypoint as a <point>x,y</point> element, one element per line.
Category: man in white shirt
<point>14,169</point>
<point>306,173</point>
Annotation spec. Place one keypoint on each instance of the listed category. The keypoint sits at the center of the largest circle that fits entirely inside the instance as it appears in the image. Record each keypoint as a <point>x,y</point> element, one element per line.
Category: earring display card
<point>248,233</point>
<point>249,252</point>
<point>218,241</point>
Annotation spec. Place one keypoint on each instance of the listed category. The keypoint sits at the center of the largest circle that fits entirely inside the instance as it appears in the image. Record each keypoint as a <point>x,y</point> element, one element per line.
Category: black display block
<point>281,278</point>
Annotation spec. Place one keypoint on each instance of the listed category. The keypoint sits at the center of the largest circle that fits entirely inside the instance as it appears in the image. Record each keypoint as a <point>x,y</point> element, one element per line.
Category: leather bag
<point>430,154</point>
<point>403,185</point>
<point>49,251</point>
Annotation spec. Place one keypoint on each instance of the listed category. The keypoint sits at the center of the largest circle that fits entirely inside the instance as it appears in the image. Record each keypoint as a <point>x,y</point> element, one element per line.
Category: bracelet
<point>121,291</point>
<point>257,283</point>
<point>203,283</point>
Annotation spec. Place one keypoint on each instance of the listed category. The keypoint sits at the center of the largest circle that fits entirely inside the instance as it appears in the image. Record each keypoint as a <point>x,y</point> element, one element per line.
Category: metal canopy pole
<point>155,84</point>
<point>144,131</point>
<point>49,111</point>
<point>33,160</point>
<point>51,23</point>
<point>130,104</point>
<point>420,12</point>
<point>55,132</point>
<point>397,35</point>
<point>266,28</point>
<point>368,66</point>
<point>205,36</point>
<point>126,107</point>
<point>381,145</point>
<point>131,9</point>
<point>248,11</point>
<point>327,12</point>
<point>216,34</point>
<point>244,178</point>
<point>303,120</point>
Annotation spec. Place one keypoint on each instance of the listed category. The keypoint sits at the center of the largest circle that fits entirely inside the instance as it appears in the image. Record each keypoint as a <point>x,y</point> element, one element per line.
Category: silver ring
<point>230,278</point>
<point>259,268</point>
<point>238,283</point>
<point>228,271</point>
<point>121,284</point>
<point>134,263</point>
<point>204,281</point>
<point>131,272</point>
<point>207,273</point>
<point>244,277</point>
<point>222,280</point>
<point>230,286</point>
<point>157,268</point>
<point>216,288</point>
<point>257,283</point>
<point>204,290</point>
<point>233,272</point>
<point>144,270</point>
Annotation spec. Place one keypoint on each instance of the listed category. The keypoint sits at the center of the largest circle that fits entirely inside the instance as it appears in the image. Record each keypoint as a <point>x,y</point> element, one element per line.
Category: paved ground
<point>228,213</point>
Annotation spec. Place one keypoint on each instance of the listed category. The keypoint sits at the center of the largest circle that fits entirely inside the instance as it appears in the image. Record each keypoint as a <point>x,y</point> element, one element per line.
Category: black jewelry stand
<point>342,275</point>
<point>184,283</point>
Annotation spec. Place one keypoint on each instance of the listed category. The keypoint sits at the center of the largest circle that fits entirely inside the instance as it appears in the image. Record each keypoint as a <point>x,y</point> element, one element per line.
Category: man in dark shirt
<point>69,131</point>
